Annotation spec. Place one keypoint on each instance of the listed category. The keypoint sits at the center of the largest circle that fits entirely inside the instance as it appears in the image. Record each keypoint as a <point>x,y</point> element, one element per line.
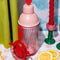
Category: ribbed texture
<point>29,38</point>
<point>51,12</point>
<point>4,24</point>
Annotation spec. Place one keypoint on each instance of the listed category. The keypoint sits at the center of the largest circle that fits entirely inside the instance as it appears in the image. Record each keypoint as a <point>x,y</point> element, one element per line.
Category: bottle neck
<point>28,9</point>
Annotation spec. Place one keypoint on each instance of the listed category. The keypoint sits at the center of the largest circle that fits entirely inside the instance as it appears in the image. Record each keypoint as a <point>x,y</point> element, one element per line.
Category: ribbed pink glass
<point>30,38</point>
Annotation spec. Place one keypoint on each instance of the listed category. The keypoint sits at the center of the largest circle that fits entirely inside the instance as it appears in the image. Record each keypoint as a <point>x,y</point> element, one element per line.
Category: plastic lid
<point>28,9</point>
<point>28,18</point>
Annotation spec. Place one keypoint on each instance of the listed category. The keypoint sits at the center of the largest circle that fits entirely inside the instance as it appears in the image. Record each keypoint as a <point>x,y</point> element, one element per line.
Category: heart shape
<point>28,2</point>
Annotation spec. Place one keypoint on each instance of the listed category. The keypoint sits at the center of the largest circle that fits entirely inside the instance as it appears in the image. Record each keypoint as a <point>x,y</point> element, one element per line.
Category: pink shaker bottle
<point>30,24</point>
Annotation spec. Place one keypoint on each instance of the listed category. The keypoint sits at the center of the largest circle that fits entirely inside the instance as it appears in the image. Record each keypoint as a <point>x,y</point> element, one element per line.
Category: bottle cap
<point>28,18</point>
<point>28,9</point>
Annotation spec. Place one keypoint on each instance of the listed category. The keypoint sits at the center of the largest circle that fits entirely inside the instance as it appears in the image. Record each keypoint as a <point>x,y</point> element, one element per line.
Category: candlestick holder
<point>58,46</point>
<point>50,39</point>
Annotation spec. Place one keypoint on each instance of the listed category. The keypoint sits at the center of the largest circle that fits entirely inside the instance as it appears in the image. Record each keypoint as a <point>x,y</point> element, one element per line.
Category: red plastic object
<point>28,2</point>
<point>20,31</point>
<point>19,48</point>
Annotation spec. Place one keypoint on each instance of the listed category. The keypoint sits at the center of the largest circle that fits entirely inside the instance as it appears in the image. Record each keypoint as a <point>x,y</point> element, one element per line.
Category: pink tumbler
<point>30,24</point>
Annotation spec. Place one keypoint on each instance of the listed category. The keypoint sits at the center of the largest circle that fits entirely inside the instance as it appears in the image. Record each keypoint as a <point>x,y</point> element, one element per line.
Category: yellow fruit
<point>44,56</point>
<point>54,53</point>
<point>54,59</point>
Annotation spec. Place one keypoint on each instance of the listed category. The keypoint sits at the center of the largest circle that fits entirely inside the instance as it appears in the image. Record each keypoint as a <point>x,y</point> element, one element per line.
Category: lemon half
<point>44,56</point>
<point>54,53</point>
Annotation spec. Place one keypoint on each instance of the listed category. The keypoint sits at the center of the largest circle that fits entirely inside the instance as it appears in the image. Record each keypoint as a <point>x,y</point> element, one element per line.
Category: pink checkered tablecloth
<point>7,55</point>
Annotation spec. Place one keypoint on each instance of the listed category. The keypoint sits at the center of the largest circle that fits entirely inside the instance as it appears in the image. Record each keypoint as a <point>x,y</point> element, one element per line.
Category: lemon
<point>44,56</point>
<point>54,53</point>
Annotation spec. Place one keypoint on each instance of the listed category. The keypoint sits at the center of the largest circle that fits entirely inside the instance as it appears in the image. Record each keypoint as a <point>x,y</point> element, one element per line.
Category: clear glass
<point>30,39</point>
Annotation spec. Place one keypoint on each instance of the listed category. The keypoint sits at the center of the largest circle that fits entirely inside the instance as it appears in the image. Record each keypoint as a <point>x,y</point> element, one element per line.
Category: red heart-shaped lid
<point>28,2</point>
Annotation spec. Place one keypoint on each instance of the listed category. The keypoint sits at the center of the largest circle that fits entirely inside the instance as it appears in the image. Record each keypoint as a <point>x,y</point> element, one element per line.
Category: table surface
<point>6,53</point>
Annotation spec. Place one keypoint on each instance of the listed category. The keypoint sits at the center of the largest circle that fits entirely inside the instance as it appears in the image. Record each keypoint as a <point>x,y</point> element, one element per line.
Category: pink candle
<point>51,12</point>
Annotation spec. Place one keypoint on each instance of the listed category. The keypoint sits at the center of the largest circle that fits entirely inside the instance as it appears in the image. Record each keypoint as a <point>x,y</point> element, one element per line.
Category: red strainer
<point>18,48</point>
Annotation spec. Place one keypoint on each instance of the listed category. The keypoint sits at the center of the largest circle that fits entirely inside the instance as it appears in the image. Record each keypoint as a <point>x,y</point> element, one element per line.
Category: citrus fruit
<point>54,53</point>
<point>44,56</point>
